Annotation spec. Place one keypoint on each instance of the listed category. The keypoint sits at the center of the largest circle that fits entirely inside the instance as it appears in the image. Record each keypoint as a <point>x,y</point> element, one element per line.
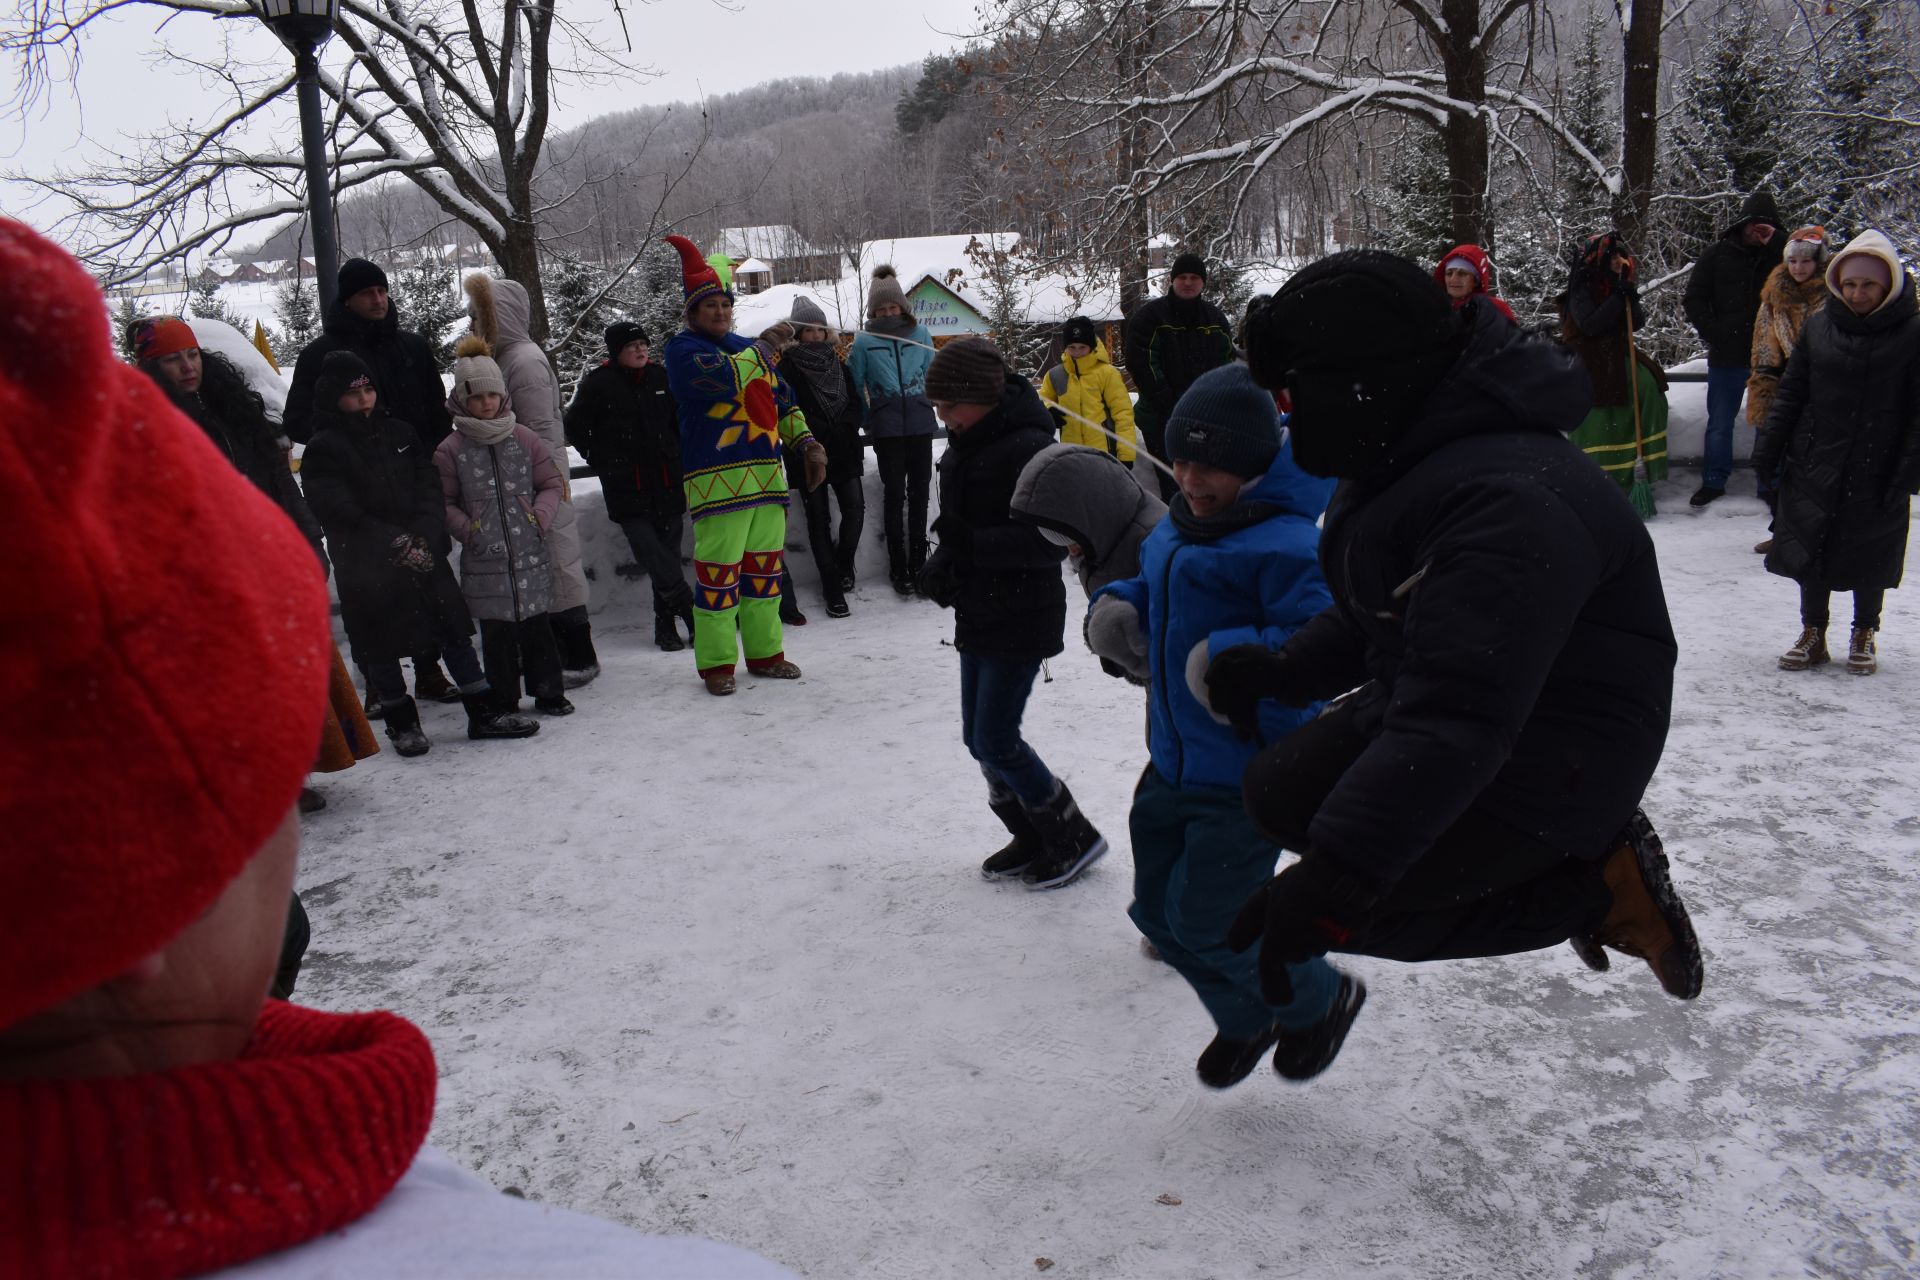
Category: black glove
<point>940,580</point>
<point>1314,905</point>
<point>1240,677</point>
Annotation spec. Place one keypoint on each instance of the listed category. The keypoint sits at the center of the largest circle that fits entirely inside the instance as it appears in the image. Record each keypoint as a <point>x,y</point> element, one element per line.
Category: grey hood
<point>1092,498</point>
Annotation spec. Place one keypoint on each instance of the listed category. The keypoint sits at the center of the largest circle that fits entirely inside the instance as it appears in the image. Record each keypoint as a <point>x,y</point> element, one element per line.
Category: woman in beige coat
<point>1794,291</point>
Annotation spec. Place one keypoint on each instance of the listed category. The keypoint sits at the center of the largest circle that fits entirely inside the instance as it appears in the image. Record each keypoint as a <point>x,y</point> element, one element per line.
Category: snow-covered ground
<point>726,967</point>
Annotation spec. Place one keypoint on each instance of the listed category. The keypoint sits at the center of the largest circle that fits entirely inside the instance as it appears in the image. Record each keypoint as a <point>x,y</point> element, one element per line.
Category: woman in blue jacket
<point>889,363</point>
<point>1235,562</point>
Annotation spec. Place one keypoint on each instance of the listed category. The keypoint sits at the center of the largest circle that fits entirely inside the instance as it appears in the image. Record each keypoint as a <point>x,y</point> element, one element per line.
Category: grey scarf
<point>487,431</point>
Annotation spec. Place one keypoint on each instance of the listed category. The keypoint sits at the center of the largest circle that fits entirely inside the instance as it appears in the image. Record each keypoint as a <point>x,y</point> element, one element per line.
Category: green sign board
<point>942,311</point>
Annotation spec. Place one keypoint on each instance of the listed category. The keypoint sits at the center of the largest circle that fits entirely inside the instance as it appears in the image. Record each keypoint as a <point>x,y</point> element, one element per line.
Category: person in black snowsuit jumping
<point>1499,620</point>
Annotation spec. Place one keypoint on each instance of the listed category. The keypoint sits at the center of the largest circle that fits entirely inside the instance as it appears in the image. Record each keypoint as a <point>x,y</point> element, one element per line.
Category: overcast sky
<point>698,47</point>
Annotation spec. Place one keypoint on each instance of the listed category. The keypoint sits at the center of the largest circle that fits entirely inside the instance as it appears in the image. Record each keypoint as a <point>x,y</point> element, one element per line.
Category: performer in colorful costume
<point>736,414</point>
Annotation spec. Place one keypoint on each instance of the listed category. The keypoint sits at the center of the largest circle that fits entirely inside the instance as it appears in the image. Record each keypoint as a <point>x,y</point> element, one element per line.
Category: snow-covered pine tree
<point>431,304</point>
<point>571,285</point>
<point>1414,216</point>
<point>1587,112</point>
<point>1732,134</point>
<point>297,310</point>
<point>205,302</point>
<point>126,314</point>
<point>1858,173</point>
<point>651,295</point>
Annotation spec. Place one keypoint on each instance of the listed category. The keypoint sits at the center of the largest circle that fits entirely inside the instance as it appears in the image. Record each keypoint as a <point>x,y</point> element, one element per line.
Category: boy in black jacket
<point>1002,580</point>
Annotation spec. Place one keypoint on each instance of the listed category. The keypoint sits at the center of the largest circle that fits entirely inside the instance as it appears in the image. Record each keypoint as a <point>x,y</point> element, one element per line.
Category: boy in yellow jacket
<point>1085,383</point>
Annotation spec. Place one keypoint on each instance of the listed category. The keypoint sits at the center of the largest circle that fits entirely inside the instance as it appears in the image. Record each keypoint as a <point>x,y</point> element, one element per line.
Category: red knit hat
<point>164,649</point>
<point>162,336</point>
<point>698,280</point>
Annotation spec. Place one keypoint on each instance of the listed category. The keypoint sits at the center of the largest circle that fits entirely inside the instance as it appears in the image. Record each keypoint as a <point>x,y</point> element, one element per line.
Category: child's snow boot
<point>1304,1054</point>
<point>1647,920</point>
<point>1019,853</point>
<point>1071,844</point>
<point>1861,659</point>
<point>486,720</point>
<point>1810,650</point>
<point>403,727</point>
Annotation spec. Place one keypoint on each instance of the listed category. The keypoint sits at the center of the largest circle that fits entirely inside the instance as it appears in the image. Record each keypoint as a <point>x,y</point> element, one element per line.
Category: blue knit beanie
<point>1227,421</point>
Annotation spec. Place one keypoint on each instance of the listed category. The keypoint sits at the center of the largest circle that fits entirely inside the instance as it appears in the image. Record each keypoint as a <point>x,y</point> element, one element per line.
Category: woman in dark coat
<point>1841,446</point>
<point>1598,313</point>
<point>206,387</point>
<point>824,389</point>
<point>624,423</point>
<point>378,496</point>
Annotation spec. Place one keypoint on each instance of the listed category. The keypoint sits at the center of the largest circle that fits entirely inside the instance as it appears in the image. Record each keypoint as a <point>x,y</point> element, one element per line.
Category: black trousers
<point>906,474</point>
<point>833,557</point>
<point>511,649</point>
<point>1815,602</point>
<point>1484,889</point>
<point>656,549</point>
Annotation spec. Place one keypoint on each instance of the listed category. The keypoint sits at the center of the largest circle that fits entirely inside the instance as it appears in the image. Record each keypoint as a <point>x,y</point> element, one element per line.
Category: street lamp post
<point>303,26</point>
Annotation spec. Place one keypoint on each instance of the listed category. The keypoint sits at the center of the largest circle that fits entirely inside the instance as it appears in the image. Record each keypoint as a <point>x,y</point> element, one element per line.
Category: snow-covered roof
<point>753,264</point>
<point>775,240</point>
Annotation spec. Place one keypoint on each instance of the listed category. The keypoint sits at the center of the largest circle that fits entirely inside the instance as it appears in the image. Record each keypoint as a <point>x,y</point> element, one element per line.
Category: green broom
<point>1641,494</point>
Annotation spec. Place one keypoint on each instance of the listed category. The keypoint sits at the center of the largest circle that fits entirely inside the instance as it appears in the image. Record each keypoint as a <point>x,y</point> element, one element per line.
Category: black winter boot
<point>486,720</point>
<point>1071,843</point>
<point>666,633</point>
<point>1304,1054</point>
<point>1019,852</point>
<point>403,727</point>
<point>574,634</point>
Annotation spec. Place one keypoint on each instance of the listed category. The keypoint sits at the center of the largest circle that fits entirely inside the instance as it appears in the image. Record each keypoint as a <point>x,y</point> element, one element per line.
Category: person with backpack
<point>889,360</point>
<point>502,488</point>
<point>1085,388</point>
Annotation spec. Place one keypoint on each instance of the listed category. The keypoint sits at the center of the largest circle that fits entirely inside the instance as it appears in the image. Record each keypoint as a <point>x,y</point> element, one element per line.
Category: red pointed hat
<point>698,280</point>
<point>164,646</point>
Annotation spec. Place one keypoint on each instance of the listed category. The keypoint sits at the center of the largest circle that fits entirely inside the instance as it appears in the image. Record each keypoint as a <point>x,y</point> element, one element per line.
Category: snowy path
<point>727,967</point>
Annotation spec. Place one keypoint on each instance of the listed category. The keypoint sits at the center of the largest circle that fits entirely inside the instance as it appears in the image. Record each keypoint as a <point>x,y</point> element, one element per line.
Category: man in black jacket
<point>1498,613</point>
<point>1170,341</point>
<point>364,321</point>
<point>1723,296</point>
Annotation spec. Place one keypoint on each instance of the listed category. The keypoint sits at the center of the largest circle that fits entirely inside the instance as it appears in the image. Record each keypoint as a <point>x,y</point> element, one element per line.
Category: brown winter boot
<point>772,669</point>
<point>1810,650</point>
<point>719,681</point>
<point>1861,660</point>
<point>1647,918</point>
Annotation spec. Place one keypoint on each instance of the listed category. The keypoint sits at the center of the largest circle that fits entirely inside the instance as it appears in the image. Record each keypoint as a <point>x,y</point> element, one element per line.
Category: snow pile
<point>726,966</point>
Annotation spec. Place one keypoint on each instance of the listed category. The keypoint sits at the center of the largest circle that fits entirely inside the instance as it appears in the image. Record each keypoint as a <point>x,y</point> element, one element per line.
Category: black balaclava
<point>1358,340</point>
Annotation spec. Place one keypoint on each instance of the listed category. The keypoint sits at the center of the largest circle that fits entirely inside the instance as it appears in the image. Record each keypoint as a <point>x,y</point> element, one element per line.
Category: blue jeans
<point>1725,387</point>
<point>1197,857</point>
<point>993,696</point>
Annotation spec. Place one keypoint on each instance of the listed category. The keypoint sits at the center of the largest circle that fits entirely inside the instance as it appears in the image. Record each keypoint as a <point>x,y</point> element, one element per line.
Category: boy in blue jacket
<point>1235,562</point>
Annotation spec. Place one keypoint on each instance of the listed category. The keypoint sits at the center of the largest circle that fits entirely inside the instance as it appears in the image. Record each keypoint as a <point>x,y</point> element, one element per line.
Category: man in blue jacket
<point>1498,607</point>
<point>1233,563</point>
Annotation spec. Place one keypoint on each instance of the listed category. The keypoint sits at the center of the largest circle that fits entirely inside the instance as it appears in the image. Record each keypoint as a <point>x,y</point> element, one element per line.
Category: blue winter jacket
<point>892,378</point>
<point>1255,585</point>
